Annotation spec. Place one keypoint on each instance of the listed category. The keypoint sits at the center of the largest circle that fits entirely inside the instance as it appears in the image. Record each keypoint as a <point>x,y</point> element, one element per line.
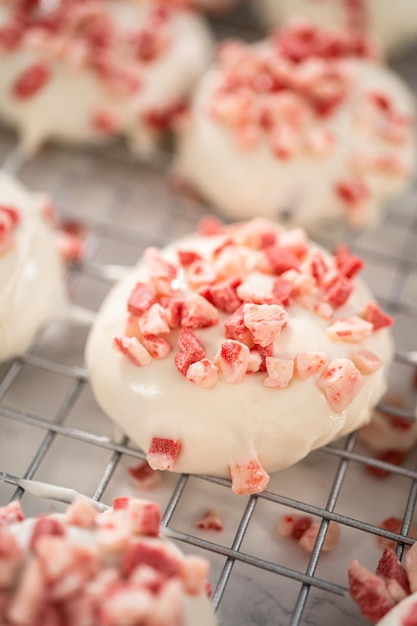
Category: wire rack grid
<point>52,430</point>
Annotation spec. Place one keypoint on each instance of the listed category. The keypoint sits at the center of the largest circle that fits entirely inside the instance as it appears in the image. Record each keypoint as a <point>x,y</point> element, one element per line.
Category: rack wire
<point>52,430</point>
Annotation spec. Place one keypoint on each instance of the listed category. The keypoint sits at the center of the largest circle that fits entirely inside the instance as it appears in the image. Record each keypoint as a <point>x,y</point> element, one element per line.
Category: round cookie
<point>393,25</point>
<point>32,290</point>
<point>85,72</point>
<point>89,569</point>
<point>237,350</point>
<point>305,127</point>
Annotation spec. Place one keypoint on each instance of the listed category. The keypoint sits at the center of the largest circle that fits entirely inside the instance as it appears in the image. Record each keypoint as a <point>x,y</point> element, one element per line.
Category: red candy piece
<point>389,567</point>
<point>11,213</point>
<point>186,257</point>
<point>235,328</point>
<point>141,299</point>
<point>105,123</point>
<point>31,81</point>
<point>376,317</point>
<point>223,295</point>
<point>294,526</point>
<point>190,351</point>
<point>11,513</point>
<point>347,263</point>
<point>338,294</point>
<point>210,520</point>
<point>395,457</point>
<point>281,259</point>
<point>144,475</point>
<point>369,591</point>
<point>341,383</point>
<point>155,556</point>
<point>353,192</point>
<point>46,526</point>
<point>249,478</point>
<point>163,453</point>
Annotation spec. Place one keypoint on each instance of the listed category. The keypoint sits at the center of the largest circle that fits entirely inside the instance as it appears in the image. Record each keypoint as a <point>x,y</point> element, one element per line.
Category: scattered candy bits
<point>304,530</point>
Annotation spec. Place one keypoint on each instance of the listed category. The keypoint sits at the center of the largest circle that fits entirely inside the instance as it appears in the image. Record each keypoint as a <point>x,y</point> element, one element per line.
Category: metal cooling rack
<point>52,430</point>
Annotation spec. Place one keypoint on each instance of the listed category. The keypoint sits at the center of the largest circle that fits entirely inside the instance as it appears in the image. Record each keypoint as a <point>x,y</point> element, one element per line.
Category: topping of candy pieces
<point>133,350</point>
<point>265,321</point>
<point>31,81</point>
<point>248,478</point>
<point>341,383</point>
<point>280,372</point>
<point>353,329</point>
<point>203,373</point>
<point>232,360</point>
<point>190,351</point>
<point>376,317</point>
<point>309,363</point>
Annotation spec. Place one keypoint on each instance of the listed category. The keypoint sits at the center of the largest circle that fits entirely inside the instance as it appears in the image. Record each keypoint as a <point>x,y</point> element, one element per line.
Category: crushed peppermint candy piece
<point>366,361</point>
<point>376,317</point>
<point>162,453</point>
<point>197,312</point>
<point>280,372</point>
<point>190,351</point>
<point>210,520</point>
<point>232,360</point>
<point>144,476</point>
<point>133,349</point>
<point>307,364</point>
<point>141,299</point>
<point>203,373</point>
<point>265,321</point>
<point>341,383</point>
<point>248,478</point>
<point>394,524</point>
<point>304,530</point>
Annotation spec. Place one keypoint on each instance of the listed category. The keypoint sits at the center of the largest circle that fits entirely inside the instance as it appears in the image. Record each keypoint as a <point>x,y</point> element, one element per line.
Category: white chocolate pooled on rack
<point>87,72</point>
<point>392,24</point>
<point>236,351</point>
<point>305,127</point>
<point>32,290</point>
<point>89,569</point>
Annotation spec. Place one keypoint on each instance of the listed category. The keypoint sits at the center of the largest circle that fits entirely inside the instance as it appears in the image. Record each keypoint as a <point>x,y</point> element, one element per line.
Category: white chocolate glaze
<point>229,424</point>
<point>31,285</point>
<point>300,189</point>
<point>397,615</point>
<point>76,93</point>
<point>394,25</point>
<point>195,607</point>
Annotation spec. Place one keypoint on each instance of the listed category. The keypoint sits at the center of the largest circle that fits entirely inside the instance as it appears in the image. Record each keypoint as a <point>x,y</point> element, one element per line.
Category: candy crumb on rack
<point>304,530</point>
<point>394,524</point>
<point>210,520</point>
<point>144,476</point>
